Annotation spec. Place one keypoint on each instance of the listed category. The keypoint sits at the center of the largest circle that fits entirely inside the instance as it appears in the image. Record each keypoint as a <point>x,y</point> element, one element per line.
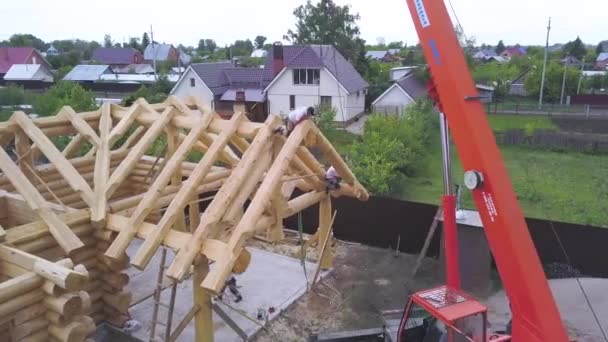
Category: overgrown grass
<point>501,122</point>
<point>569,187</point>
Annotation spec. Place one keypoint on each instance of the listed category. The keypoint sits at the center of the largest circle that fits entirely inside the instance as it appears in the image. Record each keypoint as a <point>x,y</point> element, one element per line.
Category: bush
<point>155,93</point>
<point>64,93</point>
<point>391,147</point>
<point>12,96</point>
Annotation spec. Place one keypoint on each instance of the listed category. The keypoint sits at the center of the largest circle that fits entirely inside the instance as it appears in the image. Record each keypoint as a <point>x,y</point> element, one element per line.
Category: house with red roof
<point>514,51</point>
<point>10,56</point>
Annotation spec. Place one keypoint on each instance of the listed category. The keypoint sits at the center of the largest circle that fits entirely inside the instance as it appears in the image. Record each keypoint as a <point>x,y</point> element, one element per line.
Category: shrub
<point>391,147</point>
<point>64,93</point>
<point>12,96</point>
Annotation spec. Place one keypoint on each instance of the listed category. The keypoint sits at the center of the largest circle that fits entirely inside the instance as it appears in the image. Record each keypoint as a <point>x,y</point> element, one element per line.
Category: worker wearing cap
<point>295,117</point>
<point>333,179</point>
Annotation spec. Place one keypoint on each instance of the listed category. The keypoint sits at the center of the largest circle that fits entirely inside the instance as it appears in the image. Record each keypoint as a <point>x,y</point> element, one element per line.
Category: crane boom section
<point>535,313</point>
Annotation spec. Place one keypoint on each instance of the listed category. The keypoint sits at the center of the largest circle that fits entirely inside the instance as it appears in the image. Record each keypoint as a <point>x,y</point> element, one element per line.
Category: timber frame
<point>68,215</point>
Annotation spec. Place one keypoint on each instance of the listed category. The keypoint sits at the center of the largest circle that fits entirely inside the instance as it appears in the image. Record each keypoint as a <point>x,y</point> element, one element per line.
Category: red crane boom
<point>535,313</point>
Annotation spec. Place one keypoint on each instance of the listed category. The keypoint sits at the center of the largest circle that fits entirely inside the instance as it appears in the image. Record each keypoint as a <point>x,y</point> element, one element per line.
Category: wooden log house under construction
<point>67,216</point>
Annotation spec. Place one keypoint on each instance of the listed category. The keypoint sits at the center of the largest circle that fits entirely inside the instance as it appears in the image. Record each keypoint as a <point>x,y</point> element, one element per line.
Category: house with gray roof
<point>117,57</point>
<point>401,94</point>
<point>87,73</point>
<point>293,76</point>
<point>161,53</point>
<point>601,62</point>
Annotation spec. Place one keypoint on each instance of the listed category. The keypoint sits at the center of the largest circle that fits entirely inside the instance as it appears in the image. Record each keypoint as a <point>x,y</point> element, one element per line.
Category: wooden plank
<point>121,173</point>
<point>73,146</point>
<point>22,146</point>
<point>56,273</point>
<point>215,280</point>
<point>302,202</point>
<point>2,234</point>
<point>60,231</point>
<point>64,167</point>
<point>139,131</point>
<point>125,123</point>
<point>143,255</point>
<point>81,126</point>
<point>102,167</point>
<point>120,244</point>
<point>324,250</point>
<point>19,285</point>
<point>222,199</point>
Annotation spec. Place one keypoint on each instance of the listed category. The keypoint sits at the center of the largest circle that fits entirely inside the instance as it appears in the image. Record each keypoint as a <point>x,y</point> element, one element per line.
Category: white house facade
<point>289,91</point>
<point>190,84</point>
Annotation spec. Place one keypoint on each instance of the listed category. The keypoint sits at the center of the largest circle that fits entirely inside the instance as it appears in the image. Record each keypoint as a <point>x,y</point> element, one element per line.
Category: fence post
<point>517,108</point>
<point>587,110</point>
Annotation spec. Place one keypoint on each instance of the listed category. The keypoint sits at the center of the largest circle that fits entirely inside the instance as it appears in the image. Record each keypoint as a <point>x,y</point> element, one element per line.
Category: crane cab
<point>443,314</point>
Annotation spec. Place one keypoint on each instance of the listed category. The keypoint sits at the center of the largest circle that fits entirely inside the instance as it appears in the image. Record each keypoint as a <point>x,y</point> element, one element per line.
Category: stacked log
<point>109,297</point>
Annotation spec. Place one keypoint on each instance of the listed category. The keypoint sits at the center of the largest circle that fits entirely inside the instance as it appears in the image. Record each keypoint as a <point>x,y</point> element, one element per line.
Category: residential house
<point>556,47</point>
<point>384,56</point>
<point>259,53</point>
<point>87,73</point>
<point>400,72</point>
<point>394,52</point>
<point>401,94</point>
<point>184,58</point>
<point>293,76</point>
<point>161,53</point>
<point>133,78</point>
<point>52,51</point>
<point>117,57</point>
<point>511,52</point>
<point>177,70</point>
<point>571,61</point>
<point>516,87</point>
<point>138,69</point>
<point>310,75</point>
<point>19,55</point>
<point>28,73</point>
<point>601,62</point>
<point>486,93</point>
<point>484,55</point>
<point>222,85</point>
<point>496,59</point>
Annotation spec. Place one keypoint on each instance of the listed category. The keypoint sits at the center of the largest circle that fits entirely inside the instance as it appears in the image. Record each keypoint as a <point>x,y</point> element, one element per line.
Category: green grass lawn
<point>501,122</point>
<point>569,187</point>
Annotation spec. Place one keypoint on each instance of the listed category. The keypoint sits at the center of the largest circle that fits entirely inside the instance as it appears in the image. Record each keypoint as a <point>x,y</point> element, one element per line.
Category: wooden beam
<point>215,280</point>
<point>325,226</point>
<point>47,122</point>
<point>64,167</point>
<point>137,133</point>
<point>219,204</point>
<point>123,125</point>
<point>19,285</point>
<point>121,173</point>
<point>102,167</point>
<point>176,179</point>
<point>81,126</point>
<point>120,244</point>
<point>339,164</point>
<point>24,153</point>
<point>211,248</point>
<point>38,229</point>
<point>203,319</point>
<point>73,145</point>
<point>145,252</point>
<point>62,276</point>
<point>60,231</point>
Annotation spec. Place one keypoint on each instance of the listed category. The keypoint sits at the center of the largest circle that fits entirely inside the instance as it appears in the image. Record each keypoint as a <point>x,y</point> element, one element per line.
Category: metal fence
<point>578,111</point>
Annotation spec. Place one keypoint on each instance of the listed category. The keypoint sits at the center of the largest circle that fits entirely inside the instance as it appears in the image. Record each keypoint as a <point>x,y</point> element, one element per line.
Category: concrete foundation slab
<point>271,280</point>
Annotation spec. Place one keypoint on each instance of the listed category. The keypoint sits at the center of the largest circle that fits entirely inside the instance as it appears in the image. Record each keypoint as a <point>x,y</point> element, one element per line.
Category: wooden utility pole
<point>203,319</point>
<point>542,80</point>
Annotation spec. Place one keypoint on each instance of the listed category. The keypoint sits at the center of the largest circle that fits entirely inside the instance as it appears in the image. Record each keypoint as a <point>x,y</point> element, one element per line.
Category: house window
<point>306,76</point>
<point>292,102</point>
<point>326,101</point>
<point>358,94</point>
<point>192,82</point>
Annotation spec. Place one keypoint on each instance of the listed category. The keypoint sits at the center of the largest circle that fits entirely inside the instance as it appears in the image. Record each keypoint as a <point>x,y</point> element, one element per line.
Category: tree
<point>211,45</point>
<point>327,23</point>
<point>88,52</point>
<point>64,93</point>
<point>575,48</point>
<point>145,41</point>
<point>242,48</point>
<point>500,47</point>
<point>134,43</point>
<point>396,45</point>
<point>107,41</point>
<point>600,48</point>
<point>553,81</point>
<point>26,40</point>
<point>259,42</point>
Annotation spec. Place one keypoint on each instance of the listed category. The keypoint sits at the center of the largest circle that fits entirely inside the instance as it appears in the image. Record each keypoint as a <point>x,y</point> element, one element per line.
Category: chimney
<point>277,58</point>
<point>239,101</point>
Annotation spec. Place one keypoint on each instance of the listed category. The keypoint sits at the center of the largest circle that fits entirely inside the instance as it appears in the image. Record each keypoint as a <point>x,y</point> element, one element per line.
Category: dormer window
<point>306,76</point>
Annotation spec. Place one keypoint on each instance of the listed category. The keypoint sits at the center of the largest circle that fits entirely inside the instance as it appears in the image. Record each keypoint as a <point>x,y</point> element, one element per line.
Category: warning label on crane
<point>489,202</point>
<point>424,18</point>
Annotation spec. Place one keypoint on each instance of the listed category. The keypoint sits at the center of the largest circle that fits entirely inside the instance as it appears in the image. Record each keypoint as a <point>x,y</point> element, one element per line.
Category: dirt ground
<point>365,281</point>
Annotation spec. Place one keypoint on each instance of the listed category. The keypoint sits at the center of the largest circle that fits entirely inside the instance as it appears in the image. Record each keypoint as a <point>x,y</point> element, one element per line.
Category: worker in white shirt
<point>332,179</point>
<point>294,118</point>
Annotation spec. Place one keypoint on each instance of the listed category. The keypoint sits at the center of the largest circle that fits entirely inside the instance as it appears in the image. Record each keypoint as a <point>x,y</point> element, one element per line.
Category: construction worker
<point>295,117</point>
<point>232,286</point>
<point>332,179</point>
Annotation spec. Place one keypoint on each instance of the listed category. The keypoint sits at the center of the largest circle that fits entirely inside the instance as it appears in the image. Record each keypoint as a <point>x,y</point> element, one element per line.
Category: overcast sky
<point>514,21</point>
